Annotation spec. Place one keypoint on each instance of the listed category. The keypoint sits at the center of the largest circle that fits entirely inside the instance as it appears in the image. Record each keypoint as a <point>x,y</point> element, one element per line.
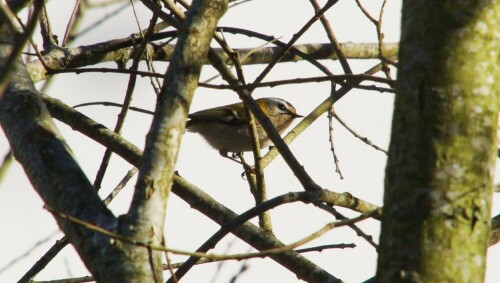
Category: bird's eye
<point>282,107</point>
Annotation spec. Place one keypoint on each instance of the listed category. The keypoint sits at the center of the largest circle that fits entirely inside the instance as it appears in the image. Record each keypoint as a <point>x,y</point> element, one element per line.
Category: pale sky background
<point>27,225</point>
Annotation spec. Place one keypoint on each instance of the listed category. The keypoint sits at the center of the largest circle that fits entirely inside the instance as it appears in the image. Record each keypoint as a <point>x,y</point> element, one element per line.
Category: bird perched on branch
<point>226,129</point>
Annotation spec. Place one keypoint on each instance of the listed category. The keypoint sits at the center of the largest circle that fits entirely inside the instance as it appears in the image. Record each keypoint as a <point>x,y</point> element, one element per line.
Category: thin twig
<point>123,182</point>
<point>126,101</point>
<point>200,261</point>
<point>333,39</point>
<point>48,38</point>
<point>71,22</point>
<point>314,197</point>
<point>355,134</point>
<point>366,13</point>
<point>103,19</point>
<point>340,79</point>
<point>221,263</point>
<point>243,267</point>
<point>294,39</point>
<point>331,112</point>
<point>61,243</point>
<point>255,177</point>
<point>315,114</point>
<point>19,41</point>
<point>29,250</point>
<point>340,216</point>
<point>169,263</point>
<point>264,253</point>
<point>380,37</point>
<point>194,196</point>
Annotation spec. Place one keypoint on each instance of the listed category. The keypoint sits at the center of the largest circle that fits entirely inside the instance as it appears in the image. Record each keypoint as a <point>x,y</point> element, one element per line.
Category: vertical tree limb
<point>145,218</point>
<point>47,160</point>
<point>439,175</point>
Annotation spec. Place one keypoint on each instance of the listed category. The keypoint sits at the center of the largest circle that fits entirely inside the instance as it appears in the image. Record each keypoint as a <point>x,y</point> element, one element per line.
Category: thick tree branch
<point>439,175</point>
<point>115,51</point>
<point>49,163</point>
<point>145,219</point>
<point>196,198</point>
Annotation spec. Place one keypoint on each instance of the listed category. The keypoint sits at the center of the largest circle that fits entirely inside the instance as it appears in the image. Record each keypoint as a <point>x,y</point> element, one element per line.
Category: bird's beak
<point>295,115</point>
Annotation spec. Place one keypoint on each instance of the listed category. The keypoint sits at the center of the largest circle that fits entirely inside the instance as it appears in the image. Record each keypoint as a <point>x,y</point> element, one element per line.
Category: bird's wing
<point>223,114</point>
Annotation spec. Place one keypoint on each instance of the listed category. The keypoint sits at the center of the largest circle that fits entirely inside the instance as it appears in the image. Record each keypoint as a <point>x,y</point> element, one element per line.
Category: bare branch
<point>191,194</point>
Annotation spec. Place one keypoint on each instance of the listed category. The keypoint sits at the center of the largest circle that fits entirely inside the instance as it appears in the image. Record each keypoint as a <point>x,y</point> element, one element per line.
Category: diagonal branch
<point>47,160</point>
<point>116,50</point>
<point>196,198</point>
<point>146,216</point>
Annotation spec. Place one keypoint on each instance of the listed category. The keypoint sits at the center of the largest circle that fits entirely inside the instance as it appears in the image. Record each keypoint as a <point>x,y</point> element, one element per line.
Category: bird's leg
<point>233,156</point>
<point>248,168</point>
<point>238,158</point>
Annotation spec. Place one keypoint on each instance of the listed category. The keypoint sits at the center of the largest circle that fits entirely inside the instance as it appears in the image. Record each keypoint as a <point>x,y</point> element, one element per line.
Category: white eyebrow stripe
<point>279,100</point>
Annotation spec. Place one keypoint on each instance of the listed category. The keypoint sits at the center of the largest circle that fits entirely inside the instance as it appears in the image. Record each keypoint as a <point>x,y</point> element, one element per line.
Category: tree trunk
<point>63,186</point>
<point>439,175</point>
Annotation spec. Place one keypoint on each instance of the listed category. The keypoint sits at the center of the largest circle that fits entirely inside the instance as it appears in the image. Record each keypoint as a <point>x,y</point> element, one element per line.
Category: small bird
<point>225,128</point>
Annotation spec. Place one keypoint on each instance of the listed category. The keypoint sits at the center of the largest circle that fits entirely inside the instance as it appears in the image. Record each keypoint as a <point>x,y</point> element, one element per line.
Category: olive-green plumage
<point>225,128</point>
